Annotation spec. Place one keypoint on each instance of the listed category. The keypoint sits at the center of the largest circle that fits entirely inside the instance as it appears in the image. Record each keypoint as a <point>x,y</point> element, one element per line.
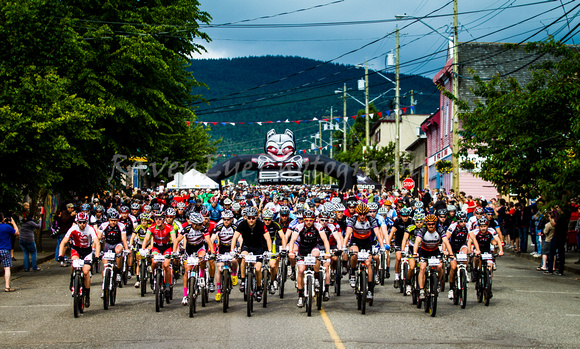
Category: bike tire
<point>479,288</point>
<point>463,290</point>
<point>265,279</point>
<point>124,278</point>
<point>310,289</point>
<point>158,294</point>
<point>487,289</point>
<point>363,288</point>
<point>249,292</point>
<point>225,289</point>
<point>320,291</point>
<point>382,270</point>
<point>404,278</point>
<point>76,295</point>
<point>434,295</point>
<point>191,295</point>
<point>357,292</point>
<point>203,300</point>
<point>106,291</point>
<point>427,299</point>
<point>113,294</point>
<point>283,271</point>
<point>143,277</point>
<point>456,289</point>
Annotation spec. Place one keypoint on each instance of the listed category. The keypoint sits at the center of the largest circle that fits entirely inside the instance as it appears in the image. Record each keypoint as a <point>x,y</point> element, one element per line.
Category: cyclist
<point>484,236</point>
<point>452,212</point>
<point>162,235</point>
<point>442,221</point>
<point>458,235</point>
<point>304,242</point>
<point>359,233</point>
<point>334,235</point>
<point>135,208</point>
<point>427,245</point>
<point>130,222</point>
<point>137,240</point>
<point>214,209</point>
<point>278,241</point>
<point>253,232</point>
<point>493,222</point>
<point>383,226</point>
<point>351,205</point>
<point>181,215</point>
<point>83,239</point>
<point>98,218</point>
<point>195,237</point>
<point>473,221</point>
<point>409,240</point>
<point>223,234</point>
<point>398,230</point>
<point>115,237</point>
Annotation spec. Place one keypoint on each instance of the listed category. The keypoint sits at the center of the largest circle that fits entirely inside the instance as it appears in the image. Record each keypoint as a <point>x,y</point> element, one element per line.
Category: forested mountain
<point>276,88</point>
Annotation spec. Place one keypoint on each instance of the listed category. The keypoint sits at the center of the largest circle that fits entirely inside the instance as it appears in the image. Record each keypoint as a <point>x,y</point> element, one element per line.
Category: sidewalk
<point>569,266</point>
<point>48,246</point>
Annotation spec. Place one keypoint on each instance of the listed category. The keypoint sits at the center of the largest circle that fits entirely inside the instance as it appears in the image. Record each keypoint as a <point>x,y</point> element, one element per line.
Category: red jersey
<point>81,238</point>
<point>161,236</point>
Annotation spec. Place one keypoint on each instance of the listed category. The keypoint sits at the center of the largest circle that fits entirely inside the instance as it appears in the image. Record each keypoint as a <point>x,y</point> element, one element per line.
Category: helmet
<point>251,212</point>
<point>317,199</point>
<point>112,213</point>
<point>204,212</point>
<point>158,215</point>
<point>482,220</point>
<point>227,201</point>
<point>488,210</point>
<point>478,210</point>
<point>383,211</point>
<point>373,206</point>
<point>99,208</point>
<point>299,214</point>
<point>124,209</point>
<point>135,206</point>
<point>332,215</point>
<point>267,214</point>
<point>328,206</point>
<point>362,209</point>
<point>236,206</point>
<point>147,208</point>
<point>339,207</point>
<point>299,206</point>
<point>284,210</point>
<point>195,218</point>
<point>419,216</point>
<point>180,205</point>
<point>325,214</point>
<point>244,211</point>
<point>335,200</point>
<point>213,200</point>
<point>85,207</point>
<point>451,208</point>
<point>322,196</point>
<point>388,203</point>
<point>405,212</point>
<point>145,216</point>
<point>351,203</point>
<point>442,212</point>
<point>82,217</point>
<point>461,216</point>
<point>227,214</point>
<point>430,218</point>
<point>309,214</point>
<point>419,204</point>
<point>156,207</point>
<point>170,211</point>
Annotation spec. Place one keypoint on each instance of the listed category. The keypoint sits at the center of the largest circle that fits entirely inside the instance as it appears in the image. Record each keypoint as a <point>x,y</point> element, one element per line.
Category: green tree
<point>528,135</point>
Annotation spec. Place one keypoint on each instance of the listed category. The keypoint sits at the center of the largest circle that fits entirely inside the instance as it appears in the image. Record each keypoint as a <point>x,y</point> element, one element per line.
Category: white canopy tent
<point>192,180</point>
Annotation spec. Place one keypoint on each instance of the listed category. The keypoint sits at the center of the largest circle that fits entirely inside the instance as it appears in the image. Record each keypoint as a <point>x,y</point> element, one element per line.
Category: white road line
<point>572,314</point>
<point>13,331</point>
<point>552,292</point>
<point>34,306</point>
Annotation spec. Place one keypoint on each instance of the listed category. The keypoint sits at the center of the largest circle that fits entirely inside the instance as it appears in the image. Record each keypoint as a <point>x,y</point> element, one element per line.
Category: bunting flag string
<point>403,110</point>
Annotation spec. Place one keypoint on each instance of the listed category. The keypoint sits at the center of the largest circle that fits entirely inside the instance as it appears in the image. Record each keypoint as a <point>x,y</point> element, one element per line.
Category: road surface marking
<point>557,292</point>
<point>34,306</point>
<point>13,331</point>
<point>331,330</point>
<point>572,314</point>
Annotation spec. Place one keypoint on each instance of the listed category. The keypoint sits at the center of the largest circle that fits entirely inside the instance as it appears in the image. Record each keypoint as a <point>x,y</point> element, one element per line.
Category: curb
<point>531,258</point>
<point>18,268</point>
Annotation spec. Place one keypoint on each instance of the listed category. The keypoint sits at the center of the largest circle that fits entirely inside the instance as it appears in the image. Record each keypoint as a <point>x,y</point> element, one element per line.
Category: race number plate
<point>226,257</point>
<point>201,282</point>
<point>486,256</point>
<point>363,255</point>
<point>109,255</point>
<point>433,262</point>
<point>159,258</point>
<point>250,258</point>
<point>143,252</point>
<point>309,260</point>
<point>78,263</point>
<point>461,257</point>
<point>192,260</point>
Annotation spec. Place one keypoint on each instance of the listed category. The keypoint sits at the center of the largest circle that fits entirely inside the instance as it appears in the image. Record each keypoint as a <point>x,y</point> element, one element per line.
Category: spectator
<point>8,228</point>
<point>426,199</point>
<point>547,235</point>
<point>501,216</point>
<point>470,206</point>
<point>66,219</point>
<point>27,243</point>
<point>577,228</point>
<point>557,245</point>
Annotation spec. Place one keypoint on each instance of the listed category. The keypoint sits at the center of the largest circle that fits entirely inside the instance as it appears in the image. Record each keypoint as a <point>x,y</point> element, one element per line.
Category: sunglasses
<point>309,220</point>
<point>323,220</point>
<point>430,223</point>
<point>82,222</point>
<point>284,215</point>
<point>251,218</point>
<point>372,211</point>
<point>267,219</point>
<point>158,219</point>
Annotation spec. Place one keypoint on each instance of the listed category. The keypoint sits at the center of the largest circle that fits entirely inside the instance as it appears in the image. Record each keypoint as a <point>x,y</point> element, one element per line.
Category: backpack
<point>54,228</point>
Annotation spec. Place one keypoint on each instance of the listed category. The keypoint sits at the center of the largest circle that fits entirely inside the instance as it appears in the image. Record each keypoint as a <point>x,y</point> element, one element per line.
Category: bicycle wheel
<point>77,299</point>
<point>191,295</point>
<point>282,271</point>
<point>320,292</point>
<point>363,290</point>
<point>479,287</point>
<point>124,276</point>
<point>338,279</point>
<point>310,290</point>
<point>249,292</point>
<point>113,294</point>
<point>106,291</point>
<point>487,289</point>
<point>143,277</point>
<point>463,289</point>
<point>456,289</point>
<point>382,270</point>
<point>225,276</point>
<point>203,299</point>
<point>265,280</point>
<point>357,292</point>
<point>433,301</point>
<point>404,278</point>
<point>427,300</point>
<point>158,293</point>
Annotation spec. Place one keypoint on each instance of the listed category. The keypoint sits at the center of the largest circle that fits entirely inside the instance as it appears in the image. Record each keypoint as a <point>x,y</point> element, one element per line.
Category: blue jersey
<point>215,213</point>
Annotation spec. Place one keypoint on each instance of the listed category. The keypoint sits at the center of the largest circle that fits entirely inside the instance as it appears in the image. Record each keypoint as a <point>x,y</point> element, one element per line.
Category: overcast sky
<point>340,30</point>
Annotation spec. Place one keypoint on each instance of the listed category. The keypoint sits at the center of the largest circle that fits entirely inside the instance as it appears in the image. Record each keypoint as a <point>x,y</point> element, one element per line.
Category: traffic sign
<point>409,183</point>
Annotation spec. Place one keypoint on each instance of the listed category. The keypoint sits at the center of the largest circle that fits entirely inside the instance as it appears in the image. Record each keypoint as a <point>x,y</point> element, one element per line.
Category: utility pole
<point>320,148</point>
<point>455,148</point>
<point>331,131</point>
<point>397,106</point>
<point>367,121</point>
<point>412,101</point>
<point>344,120</point>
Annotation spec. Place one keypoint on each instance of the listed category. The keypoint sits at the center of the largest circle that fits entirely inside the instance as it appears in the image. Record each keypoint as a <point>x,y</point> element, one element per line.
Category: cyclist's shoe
<point>300,302</point>
<point>494,267</point>
<point>352,281</point>
<point>421,294</point>
<point>396,284</point>
<point>137,284</point>
<point>369,295</point>
<point>218,296</point>
<point>167,295</point>
<point>258,295</point>
<point>344,271</point>
<point>128,275</point>
<point>326,296</point>
<point>388,274</point>
<point>87,301</point>
<point>377,281</point>
<point>450,294</point>
<point>408,290</point>
<point>102,294</point>
<point>275,283</point>
<point>293,275</point>
<point>243,286</point>
<point>316,283</point>
<point>272,288</point>
<point>211,287</point>
<point>118,277</point>
<point>234,280</point>
<point>289,273</point>
<point>468,278</point>
<point>149,270</point>
<point>184,301</point>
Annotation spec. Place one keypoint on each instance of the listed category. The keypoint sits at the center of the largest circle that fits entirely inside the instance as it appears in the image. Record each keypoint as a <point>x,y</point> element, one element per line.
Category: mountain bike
<point>251,286</point>
<point>78,292</point>
<point>431,285</point>
<point>109,279</point>
<point>483,284</point>
<point>282,275</point>
<point>404,271</point>
<point>226,279</point>
<point>361,285</point>
<point>382,267</point>
<point>144,274</point>
<point>192,283</point>
<point>266,276</point>
<point>336,274</point>
<point>460,282</point>
<point>310,289</point>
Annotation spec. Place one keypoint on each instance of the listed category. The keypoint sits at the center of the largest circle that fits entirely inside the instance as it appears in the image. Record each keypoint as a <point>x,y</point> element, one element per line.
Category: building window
<point>378,136</point>
<point>445,118</point>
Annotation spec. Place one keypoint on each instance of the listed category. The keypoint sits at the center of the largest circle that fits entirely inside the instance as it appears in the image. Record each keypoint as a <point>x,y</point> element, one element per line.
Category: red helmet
<point>82,217</point>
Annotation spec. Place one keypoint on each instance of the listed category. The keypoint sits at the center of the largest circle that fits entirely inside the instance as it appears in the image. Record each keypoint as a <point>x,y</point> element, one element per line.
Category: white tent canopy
<point>192,179</point>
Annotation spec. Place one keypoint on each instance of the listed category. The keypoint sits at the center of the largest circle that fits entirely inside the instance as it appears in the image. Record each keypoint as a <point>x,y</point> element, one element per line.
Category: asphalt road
<point>529,309</point>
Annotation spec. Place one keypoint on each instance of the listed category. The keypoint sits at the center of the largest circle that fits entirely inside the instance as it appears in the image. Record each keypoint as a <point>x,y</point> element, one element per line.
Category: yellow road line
<point>331,330</point>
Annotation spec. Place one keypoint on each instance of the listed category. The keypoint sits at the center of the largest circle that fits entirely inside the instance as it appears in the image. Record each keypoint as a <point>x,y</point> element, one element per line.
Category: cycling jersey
<point>141,231</point>
<point>329,230</point>
<point>113,235</point>
<point>458,237</point>
<point>253,236</point>
<point>97,221</point>
<point>81,238</point>
<point>129,226</point>
<point>225,234</point>
<point>273,229</point>
<point>161,236</point>
<point>484,239</point>
<point>307,237</point>
<point>194,237</point>
<point>401,227</point>
<point>362,230</point>
<point>412,230</point>
<point>430,241</point>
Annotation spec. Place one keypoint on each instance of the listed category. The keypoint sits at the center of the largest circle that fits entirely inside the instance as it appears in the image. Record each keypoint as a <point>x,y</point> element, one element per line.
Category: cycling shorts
<point>257,251</point>
<point>362,244</point>
<point>194,249</point>
<point>162,249</point>
<point>80,252</point>
<point>423,253</point>
<point>109,247</point>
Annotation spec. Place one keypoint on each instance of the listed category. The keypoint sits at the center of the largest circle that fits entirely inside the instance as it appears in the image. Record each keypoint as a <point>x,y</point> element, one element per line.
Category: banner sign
<point>280,165</point>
